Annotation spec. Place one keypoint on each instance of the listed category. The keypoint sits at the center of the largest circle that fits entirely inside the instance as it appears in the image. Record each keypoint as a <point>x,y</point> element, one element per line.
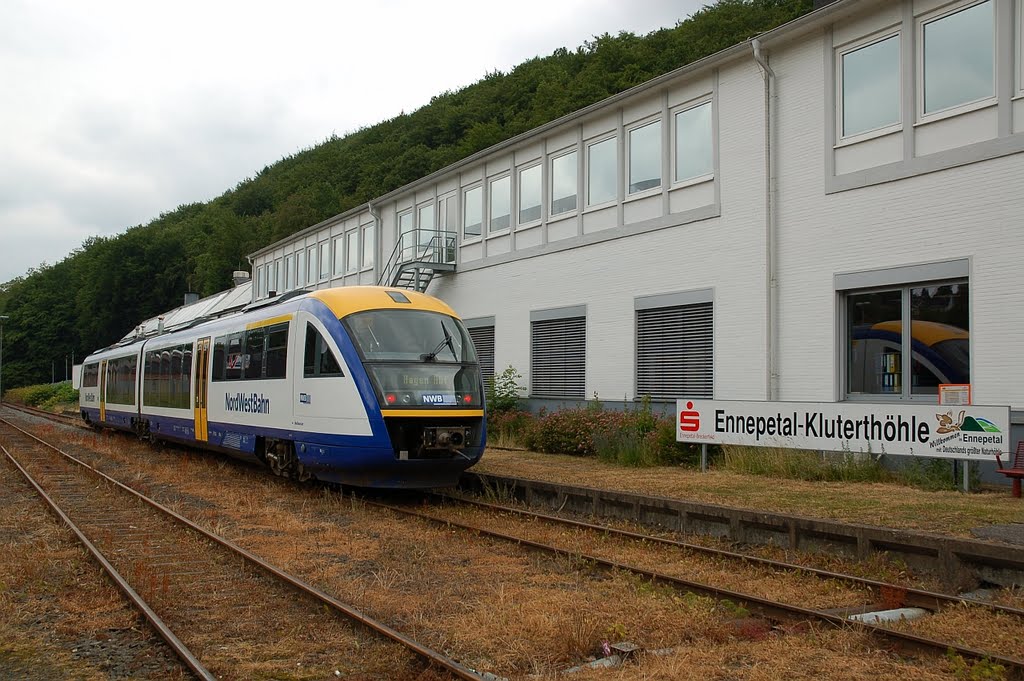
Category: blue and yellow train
<point>366,386</point>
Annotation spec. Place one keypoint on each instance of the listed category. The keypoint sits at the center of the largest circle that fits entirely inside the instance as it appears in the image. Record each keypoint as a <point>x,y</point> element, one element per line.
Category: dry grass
<point>489,604</point>
<point>884,504</point>
<point>60,617</point>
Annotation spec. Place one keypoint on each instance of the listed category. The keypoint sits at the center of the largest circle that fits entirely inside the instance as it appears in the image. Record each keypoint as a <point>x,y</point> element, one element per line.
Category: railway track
<point>215,604</point>
<point>66,419</point>
<point>893,595</point>
<point>896,595</point>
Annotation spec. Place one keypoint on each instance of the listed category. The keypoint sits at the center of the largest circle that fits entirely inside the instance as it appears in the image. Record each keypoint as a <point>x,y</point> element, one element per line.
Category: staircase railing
<point>418,248</point>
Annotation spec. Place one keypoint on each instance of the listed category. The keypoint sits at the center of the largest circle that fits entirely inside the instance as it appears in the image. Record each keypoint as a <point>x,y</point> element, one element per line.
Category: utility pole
<point>3,318</point>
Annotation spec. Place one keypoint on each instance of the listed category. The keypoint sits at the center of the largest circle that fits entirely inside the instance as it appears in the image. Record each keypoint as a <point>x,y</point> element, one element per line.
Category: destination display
<point>941,431</point>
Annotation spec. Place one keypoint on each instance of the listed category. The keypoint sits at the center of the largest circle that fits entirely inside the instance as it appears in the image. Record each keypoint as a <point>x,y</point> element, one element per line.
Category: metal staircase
<point>418,257</point>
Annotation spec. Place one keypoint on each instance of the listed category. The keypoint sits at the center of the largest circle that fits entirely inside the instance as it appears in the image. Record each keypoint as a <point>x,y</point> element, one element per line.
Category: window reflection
<point>645,157</point>
<point>601,172</point>
<point>501,203</point>
<point>938,350</point>
<point>563,183</point>
<point>958,58</point>
<point>693,143</point>
<point>474,210</point>
<point>941,343</point>
<point>876,342</point>
<point>871,87</point>
<point>529,194</point>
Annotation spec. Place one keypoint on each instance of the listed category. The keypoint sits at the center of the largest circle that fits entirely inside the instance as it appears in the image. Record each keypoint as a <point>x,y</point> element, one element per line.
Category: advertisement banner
<point>966,432</point>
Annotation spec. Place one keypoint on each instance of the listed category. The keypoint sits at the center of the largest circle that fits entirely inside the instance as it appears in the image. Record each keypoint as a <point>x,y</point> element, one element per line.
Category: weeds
<point>778,462</point>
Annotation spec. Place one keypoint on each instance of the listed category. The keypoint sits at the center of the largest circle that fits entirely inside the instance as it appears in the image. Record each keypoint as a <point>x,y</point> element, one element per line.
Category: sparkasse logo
<point>689,420</point>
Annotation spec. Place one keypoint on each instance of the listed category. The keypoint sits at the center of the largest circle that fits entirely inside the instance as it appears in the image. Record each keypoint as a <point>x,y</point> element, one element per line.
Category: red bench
<point>1016,469</point>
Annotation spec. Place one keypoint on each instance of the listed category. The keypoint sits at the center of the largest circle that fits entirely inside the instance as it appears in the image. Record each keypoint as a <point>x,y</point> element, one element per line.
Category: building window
<point>368,246</point>
<point>675,351</point>
<point>425,225</point>
<point>483,341</point>
<point>300,270</point>
<point>275,282</point>
<point>473,213</point>
<point>645,157</point>
<point>906,341</point>
<point>500,193</point>
<point>448,213</point>
<point>352,251</point>
<point>601,172</point>
<point>258,286</point>
<point>1020,48</point>
<point>339,256</point>
<point>870,84</point>
<point>325,261</point>
<point>529,194</point>
<point>311,265</point>
<point>564,172</point>
<point>694,143</point>
<point>406,226</point>
<point>558,349</point>
<point>959,58</point>
<point>289,268</point>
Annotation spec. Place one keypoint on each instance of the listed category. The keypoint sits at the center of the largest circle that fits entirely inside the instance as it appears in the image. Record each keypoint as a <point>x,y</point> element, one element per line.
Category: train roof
<point>341,301</point>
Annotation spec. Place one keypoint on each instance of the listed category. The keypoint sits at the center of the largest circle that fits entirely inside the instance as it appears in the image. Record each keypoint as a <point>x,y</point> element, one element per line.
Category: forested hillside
<point>99,292</point>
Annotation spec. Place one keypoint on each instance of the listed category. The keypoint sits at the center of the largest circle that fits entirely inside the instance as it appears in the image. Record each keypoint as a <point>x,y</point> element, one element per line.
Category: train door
<point>103,390</point>
<point>202,374</point>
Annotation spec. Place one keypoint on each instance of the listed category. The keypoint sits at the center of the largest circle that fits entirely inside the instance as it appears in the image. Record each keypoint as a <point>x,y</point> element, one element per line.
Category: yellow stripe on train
<point>431,412</point>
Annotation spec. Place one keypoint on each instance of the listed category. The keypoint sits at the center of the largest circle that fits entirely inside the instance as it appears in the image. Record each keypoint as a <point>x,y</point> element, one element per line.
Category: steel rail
<point>64,418</point>
<point>921,598</point>
<point>179,648</point>
<point>766,607</point>
<point>441,660</point>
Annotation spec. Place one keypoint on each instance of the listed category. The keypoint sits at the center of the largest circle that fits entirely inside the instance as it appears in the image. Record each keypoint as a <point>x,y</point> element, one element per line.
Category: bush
<point>503,391</point>
<point>568,431</point>
<point>635,437</point>
<point>508,428</point>
<point>46,396</point>
<point>641,438</point>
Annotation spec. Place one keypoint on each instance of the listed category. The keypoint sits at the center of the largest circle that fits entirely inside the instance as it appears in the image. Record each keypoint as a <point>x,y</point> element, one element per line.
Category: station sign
<point>949,432</point>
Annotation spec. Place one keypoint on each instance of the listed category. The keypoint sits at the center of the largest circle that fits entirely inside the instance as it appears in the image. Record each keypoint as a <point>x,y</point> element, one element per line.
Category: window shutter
<point>483,341</point>
<point>558,358</point>
<point>675,352</point>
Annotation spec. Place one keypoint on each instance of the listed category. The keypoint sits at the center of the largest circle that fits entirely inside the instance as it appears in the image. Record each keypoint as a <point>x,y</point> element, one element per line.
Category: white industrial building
<point>832,211</point>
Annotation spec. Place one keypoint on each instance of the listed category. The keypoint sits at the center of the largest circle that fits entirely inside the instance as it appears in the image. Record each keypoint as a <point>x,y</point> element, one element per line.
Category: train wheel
<point>280,456</point>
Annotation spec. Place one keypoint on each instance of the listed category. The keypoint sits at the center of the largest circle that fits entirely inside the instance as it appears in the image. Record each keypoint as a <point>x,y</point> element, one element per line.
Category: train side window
<point>184,399</point>
<point>235,360</point>
<point>277,350</point>
<point>91,376</point>
<point>219,358</point>
<point>319,360</point>
<point>253,363</point>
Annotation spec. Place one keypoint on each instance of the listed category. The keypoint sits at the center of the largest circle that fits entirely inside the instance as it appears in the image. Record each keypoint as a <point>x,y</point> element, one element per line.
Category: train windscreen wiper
<point>447,340</point>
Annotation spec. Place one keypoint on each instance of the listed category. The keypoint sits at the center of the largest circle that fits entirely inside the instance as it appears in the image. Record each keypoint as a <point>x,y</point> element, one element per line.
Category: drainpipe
<point>378,229</point>
<point>770,248</point>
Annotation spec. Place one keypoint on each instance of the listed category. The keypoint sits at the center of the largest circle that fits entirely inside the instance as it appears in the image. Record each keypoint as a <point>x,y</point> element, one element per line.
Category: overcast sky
<point>114,111</point>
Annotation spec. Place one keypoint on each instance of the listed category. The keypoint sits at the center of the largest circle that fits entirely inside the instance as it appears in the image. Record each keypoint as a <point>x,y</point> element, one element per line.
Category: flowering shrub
<point>507,428</point>
<point>634,437</point>
<point>569,431</point>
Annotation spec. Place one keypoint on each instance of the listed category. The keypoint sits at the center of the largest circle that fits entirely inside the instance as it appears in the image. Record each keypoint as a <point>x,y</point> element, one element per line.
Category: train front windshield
<point>417,359</point>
